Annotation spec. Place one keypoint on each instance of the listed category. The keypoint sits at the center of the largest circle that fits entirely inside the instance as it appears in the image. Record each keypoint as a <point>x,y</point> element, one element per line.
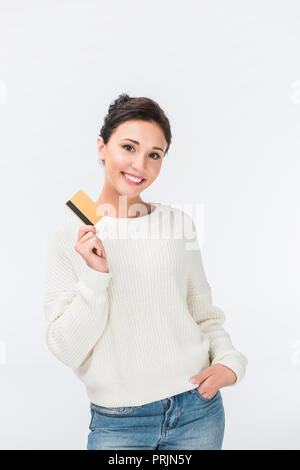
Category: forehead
<point>148,132</point>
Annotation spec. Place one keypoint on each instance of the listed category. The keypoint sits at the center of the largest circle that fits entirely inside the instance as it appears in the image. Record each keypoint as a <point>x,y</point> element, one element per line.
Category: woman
<point>128,306</point>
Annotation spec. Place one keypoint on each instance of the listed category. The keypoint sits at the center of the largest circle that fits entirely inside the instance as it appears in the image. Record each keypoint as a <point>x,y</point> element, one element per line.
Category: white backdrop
<point>227,75</point>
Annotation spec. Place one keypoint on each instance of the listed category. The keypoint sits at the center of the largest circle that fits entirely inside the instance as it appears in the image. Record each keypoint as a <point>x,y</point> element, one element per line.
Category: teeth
<point>132,178</point>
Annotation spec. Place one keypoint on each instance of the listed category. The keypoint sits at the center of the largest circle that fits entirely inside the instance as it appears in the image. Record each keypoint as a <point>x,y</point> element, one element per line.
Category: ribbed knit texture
<point>138,333</point>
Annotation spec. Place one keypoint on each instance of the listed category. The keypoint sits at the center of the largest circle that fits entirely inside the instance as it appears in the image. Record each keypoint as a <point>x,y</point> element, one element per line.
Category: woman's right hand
<point>90,247</point>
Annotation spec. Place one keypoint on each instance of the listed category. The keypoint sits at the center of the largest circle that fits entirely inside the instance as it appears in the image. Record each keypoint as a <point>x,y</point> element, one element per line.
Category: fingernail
<point>193,381</point>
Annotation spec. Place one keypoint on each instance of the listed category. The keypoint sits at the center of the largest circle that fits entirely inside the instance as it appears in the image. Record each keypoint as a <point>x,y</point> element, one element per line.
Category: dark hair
<point>125,108</point>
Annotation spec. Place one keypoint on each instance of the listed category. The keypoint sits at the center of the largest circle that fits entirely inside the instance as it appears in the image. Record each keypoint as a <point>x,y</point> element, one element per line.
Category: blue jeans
<point>184,421</point>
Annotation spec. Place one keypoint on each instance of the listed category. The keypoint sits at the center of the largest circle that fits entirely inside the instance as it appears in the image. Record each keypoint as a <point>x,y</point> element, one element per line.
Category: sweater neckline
<point>131,220</point>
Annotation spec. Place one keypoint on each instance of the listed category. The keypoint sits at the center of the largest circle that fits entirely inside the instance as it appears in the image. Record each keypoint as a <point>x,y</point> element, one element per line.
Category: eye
<point>158,156</point>
<point>128,145</point>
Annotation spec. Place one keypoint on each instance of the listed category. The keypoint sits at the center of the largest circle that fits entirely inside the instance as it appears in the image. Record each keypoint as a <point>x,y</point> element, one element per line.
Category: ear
<point>101,147</point>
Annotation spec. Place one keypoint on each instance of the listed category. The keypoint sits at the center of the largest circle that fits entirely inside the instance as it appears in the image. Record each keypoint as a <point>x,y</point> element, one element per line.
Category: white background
<point>227,75</point>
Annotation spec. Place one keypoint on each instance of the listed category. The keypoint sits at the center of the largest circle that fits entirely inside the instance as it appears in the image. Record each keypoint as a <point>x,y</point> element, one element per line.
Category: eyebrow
<point>136,142</point>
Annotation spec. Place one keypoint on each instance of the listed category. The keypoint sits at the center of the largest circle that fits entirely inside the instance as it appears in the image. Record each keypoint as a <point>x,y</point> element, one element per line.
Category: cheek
<point>119,161</point>
<point>115,161</point>
<point>155,172</point>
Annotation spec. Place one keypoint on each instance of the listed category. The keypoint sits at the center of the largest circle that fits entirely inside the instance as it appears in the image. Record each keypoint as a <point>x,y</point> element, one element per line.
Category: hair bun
<point>123,98</point>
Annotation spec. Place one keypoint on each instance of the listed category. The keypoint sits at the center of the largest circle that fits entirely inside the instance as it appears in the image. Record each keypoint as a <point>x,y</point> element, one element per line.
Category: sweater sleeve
<point>76,309</point>
<point>209,317</point>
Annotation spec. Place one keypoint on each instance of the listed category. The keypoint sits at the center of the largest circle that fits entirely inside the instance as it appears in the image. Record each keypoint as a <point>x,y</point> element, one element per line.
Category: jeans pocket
<point>198,394</point>
<point>111,411</point>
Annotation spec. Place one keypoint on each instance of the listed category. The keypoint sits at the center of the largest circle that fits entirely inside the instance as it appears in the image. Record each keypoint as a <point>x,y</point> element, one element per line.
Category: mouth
<point>131,180</point>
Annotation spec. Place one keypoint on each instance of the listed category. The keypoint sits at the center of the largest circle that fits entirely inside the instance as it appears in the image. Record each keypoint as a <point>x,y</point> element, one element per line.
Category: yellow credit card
<point>84,208</point>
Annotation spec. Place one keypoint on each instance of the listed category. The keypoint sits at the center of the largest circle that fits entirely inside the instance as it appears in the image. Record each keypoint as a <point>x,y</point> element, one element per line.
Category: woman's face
<point>136,147</point>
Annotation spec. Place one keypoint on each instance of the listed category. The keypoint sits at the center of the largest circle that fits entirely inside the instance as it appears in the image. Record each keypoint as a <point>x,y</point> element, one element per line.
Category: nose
<point>138,165</point>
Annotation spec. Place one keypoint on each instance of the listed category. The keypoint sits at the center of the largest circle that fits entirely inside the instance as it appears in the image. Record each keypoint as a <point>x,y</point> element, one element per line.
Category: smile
<point>131,179</point>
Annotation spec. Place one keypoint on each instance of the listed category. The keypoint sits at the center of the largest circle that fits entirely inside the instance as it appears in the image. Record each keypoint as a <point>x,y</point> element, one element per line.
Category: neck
<point>116,205</point>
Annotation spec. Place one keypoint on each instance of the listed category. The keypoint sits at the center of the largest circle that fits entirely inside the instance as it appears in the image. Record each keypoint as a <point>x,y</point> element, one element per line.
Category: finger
<point>102,248</point>
<point>97,251</point>
<point>206,394</point>
<point>86,236</point>
<point>83,229</point>
<point>97,240</point>
<point>99,246</point>
<point>202,376</point>
<point>94,246</point>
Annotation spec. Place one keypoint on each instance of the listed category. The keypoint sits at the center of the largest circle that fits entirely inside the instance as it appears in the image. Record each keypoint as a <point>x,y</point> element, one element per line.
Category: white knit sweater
<point>139,332</point>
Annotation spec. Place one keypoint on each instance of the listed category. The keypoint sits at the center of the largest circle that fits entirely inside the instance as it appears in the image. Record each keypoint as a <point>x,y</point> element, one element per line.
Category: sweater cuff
<point>237,365</point>
<point>96,281</point>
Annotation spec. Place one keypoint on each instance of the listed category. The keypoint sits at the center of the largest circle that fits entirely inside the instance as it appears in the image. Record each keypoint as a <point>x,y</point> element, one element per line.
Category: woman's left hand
<point>213,378</point>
